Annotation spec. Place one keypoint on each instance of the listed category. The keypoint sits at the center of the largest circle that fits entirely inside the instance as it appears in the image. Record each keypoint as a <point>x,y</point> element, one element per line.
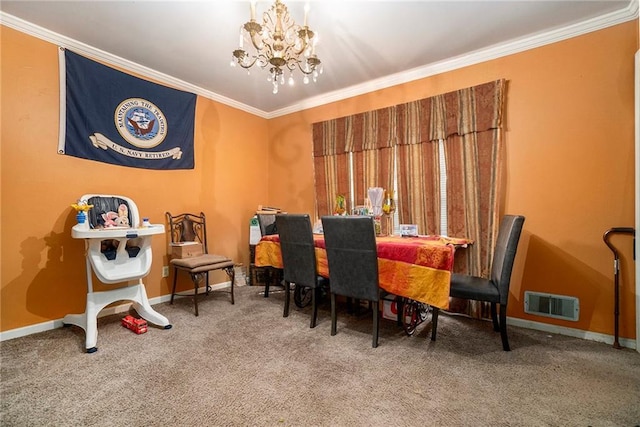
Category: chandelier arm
<point>266,51</point>
<point>291,64</point>
<point>311,69</point>
<point>263,60</point>
<point>306,37</point>
<point>247,66</point>
<point>290,50</point>
<point>256,44</point>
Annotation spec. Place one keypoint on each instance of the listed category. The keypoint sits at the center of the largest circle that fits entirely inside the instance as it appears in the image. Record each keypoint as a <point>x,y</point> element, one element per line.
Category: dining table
<point>417,268</point>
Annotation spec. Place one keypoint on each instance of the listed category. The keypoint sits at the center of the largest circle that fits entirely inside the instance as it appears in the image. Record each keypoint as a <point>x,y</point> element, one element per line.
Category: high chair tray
<point>81,232</point>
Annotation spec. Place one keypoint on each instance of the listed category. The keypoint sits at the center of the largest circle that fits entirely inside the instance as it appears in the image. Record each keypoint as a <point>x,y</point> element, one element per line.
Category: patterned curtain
<point>471,120</point>
<point>331,162</point>
<point>418,169</point>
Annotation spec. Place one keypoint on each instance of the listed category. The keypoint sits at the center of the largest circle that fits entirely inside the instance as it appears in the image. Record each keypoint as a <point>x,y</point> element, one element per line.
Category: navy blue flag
<point>116,118</point>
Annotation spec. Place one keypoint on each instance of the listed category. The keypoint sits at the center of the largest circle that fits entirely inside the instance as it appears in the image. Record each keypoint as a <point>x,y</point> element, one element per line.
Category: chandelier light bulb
<point>306,79</point>
<point>291,81</point>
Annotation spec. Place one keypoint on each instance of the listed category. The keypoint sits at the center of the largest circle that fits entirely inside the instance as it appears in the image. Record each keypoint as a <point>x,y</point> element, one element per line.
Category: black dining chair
<point>494,290</point>
<point>267,224</point>
<point>299,259</point>
<point>270,275</point>
<point>353,264</point>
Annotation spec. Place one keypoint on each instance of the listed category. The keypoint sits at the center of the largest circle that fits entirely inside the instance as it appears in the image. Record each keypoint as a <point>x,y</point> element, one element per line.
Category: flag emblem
<point>140,122</point>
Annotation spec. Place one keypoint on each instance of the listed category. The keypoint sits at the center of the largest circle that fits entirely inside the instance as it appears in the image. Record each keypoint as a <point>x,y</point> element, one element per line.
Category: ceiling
<point>363,45</point>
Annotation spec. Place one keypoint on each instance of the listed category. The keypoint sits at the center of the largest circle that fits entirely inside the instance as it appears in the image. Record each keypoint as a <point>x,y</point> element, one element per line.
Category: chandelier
<point>278,44</point>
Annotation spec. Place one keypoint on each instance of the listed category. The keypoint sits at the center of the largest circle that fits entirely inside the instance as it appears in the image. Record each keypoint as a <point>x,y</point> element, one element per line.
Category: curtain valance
<point>473,109</point>
<point>370,130</point>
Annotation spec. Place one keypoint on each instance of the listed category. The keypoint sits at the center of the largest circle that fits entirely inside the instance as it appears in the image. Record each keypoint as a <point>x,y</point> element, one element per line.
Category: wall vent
<point>556,306</point>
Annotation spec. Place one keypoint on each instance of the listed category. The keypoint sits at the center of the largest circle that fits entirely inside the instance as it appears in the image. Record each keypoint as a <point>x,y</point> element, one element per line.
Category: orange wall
<point>42,267</point>
<point>569,164</point>
<point>569,169</point>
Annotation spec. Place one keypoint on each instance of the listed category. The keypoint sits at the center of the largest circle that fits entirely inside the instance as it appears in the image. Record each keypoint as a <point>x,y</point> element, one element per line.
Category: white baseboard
<point>571,332</point>
<point>121,308</point>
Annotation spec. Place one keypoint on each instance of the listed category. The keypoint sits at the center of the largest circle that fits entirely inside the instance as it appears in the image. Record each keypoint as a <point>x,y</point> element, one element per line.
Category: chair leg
<point>314,306</point>
<point>494,317</point>
<point>194,277</point>
<point>173,289</point>
<point>434,322</point>
<point>267,279</point>
<point>400,310</point>
<point>233,283</point>
<point>231,272</point>
<point>287,297</point>
<point>252,273</point>
<point>376,322</point>
<point>334,319</point>
<point>503,327</point>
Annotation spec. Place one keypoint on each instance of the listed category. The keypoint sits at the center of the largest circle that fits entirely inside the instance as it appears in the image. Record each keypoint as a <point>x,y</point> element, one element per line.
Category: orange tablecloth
<point>413,267</point>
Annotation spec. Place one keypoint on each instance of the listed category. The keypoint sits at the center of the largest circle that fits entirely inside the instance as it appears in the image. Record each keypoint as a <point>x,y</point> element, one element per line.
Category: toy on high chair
<point>117,250</point>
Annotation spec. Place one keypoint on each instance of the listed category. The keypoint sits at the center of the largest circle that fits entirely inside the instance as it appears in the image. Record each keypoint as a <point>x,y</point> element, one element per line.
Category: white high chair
<point>116,254</point>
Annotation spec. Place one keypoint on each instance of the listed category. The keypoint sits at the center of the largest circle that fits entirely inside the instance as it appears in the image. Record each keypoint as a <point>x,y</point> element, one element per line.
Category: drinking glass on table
<point>388,208</point>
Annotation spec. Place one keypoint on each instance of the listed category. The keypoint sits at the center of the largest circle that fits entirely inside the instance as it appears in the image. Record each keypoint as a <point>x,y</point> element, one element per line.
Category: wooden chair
<point>187,227</point>
<point>494,290</point>
<point>353,264</point>
<point>299,259</point>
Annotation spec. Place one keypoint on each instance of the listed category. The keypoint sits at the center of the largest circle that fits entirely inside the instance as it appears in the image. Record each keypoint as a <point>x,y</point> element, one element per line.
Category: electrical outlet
<point>165,271</point>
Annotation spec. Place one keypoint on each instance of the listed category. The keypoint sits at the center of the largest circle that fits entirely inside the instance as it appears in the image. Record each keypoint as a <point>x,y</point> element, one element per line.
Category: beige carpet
<point>246,365</point>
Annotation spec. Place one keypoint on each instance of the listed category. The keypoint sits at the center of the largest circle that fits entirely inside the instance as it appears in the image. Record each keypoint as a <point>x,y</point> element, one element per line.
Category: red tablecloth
<point>413,267</point>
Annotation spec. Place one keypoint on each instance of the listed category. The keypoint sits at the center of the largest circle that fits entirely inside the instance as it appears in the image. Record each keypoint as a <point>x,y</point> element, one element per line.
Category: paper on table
<point>375,196</point>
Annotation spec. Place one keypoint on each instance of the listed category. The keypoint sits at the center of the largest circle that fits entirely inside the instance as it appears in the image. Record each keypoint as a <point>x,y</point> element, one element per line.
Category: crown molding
<point>472,58</point>
<point>479,56</point>
<point>110,59</point>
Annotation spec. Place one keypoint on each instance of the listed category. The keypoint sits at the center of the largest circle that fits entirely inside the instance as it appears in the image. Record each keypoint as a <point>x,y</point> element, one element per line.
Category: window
<point>443,189</point>
<point>395,170</point>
